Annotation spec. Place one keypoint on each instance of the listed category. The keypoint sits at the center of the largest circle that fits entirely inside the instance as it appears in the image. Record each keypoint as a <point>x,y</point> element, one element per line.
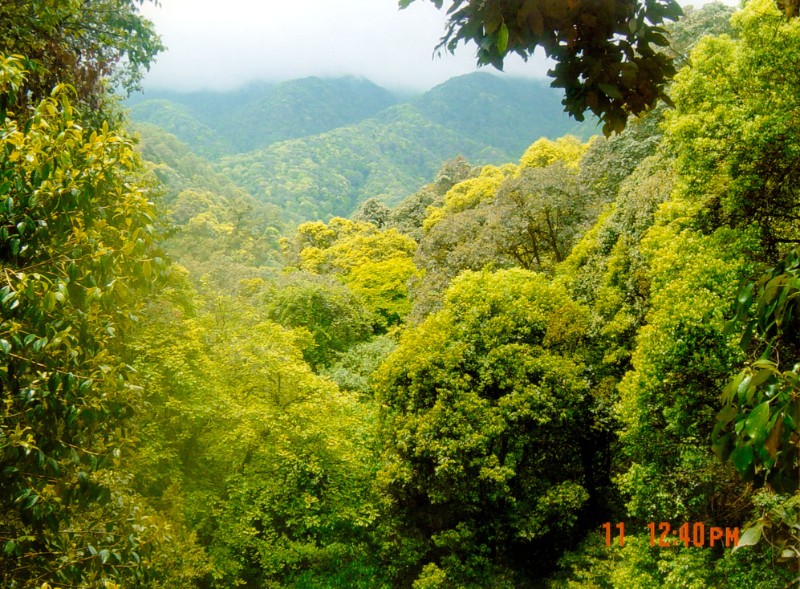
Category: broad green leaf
<point>742,458</point>
<point>756,425</point>
<point>502,38</point>
<point>610,91</point>
<point>750,537</point>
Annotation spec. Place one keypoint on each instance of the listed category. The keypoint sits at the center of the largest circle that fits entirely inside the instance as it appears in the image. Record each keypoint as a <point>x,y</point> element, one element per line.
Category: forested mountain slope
<point>316,148</point>
<point>329,174</point>
<point>260,114</point>
<point>502,112</point>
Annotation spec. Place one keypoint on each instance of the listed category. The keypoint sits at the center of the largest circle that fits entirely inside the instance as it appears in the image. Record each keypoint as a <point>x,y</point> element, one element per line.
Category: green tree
<point>535,215</point>
<point>328,309</point>
<point>409,216</point>
<point>733,131</point>
<point>84,44</point>
<point>376,265</point>
<point>266,462</point>
<point>484,412</point>
<point>730,207</point>
<point>78,248</point>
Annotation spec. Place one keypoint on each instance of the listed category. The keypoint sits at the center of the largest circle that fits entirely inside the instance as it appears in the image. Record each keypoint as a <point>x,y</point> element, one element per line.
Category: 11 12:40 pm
<point>664,535</point>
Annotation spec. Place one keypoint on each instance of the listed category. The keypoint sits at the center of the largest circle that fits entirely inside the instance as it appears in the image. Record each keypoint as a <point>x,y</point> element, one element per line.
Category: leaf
<point>742,458</point>
<point>502,38</point>
<point>773,440</point>
<point>750,537</point>
<point>610,91</point>
<point>722,447</point>
<point>492,17</point>
<point>727,414</point>
<point>756,425</point>
<point>760,377</point>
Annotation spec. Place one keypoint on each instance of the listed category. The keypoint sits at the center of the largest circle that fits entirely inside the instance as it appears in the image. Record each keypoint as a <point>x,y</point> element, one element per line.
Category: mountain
<point>387,156</point>
<point>178,119</point>
<point>317,148</point>
<point>262,114</point>
<point>506,113</point>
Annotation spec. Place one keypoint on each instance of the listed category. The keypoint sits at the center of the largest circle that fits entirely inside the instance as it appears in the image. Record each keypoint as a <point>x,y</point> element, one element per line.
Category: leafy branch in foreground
<point>607,54</point>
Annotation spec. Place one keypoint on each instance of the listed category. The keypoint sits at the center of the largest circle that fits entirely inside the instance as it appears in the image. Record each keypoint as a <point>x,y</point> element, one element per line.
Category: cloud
<point>224,44</point>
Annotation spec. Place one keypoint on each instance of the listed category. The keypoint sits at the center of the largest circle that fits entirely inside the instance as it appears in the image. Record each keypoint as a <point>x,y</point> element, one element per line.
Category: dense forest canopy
<point>576,366</point>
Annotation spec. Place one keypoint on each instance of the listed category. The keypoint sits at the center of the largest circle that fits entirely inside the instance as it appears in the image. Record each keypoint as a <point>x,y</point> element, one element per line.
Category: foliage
<point>409,215</point>
<point>376,265</point>
<point>268,462</point>
<point>756,427</point>
<point>372,211</point>
<point>260,114</point>
<point>525,216</point>
<point>354,369</point>
<point>638,565</point>
<point>478,401</point>
<point>607,57</point>
<point>78,246</point>
<point>83,44</point>
<point>712,19</point>
<point>219,232</point>
<point>231,424</point>
<point>761,402</point>
<point>328,309</point>
<point>330,163</point>
<point>733,132</point>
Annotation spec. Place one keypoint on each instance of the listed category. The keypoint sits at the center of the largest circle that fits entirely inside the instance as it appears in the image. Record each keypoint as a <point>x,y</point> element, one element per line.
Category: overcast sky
<point>223,44</point>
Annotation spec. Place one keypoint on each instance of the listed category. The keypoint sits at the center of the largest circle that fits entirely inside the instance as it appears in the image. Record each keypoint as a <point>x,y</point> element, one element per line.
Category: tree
<point>85,44</point>
<point>78,251</point>
<point>376,265</point>
<point>372,211</point>
<point>268,463</point>
<point>483,424</point>
<point>734,133</point>
<point>535,215</point>
<point>335,317</point>
<point>607,57</point>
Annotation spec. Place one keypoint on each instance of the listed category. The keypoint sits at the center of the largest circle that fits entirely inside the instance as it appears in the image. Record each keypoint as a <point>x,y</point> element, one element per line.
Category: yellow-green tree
<point>78,250</point>
<point>485,413</point>
<point>376,265</point>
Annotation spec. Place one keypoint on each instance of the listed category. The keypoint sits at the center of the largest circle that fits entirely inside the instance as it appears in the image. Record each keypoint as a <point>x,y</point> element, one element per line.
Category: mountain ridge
<point>383,151</point>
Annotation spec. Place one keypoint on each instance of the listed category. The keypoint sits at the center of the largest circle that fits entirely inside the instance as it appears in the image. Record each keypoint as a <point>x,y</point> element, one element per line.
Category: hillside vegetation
<point>316,148</point>
<point>576,368</point>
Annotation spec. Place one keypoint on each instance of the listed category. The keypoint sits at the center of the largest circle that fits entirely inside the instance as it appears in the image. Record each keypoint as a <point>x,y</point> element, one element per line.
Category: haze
<point>216,44</point>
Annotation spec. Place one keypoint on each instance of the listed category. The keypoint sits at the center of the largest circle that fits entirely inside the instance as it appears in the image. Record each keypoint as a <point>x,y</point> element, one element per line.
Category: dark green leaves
<point>73,201</point>
<point>607,61</point>
<point>761,411</point>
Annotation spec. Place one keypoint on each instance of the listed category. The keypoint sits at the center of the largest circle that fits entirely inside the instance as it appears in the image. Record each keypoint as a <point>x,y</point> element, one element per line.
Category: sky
<point>224,44</point>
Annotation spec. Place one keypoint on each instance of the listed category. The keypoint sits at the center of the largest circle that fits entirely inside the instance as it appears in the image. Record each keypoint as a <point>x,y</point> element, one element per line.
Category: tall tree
<point>77,246</point>
<point>485,409</point>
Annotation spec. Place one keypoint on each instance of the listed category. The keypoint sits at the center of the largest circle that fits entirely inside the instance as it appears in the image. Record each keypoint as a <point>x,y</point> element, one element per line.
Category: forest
<point>567,361</point>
